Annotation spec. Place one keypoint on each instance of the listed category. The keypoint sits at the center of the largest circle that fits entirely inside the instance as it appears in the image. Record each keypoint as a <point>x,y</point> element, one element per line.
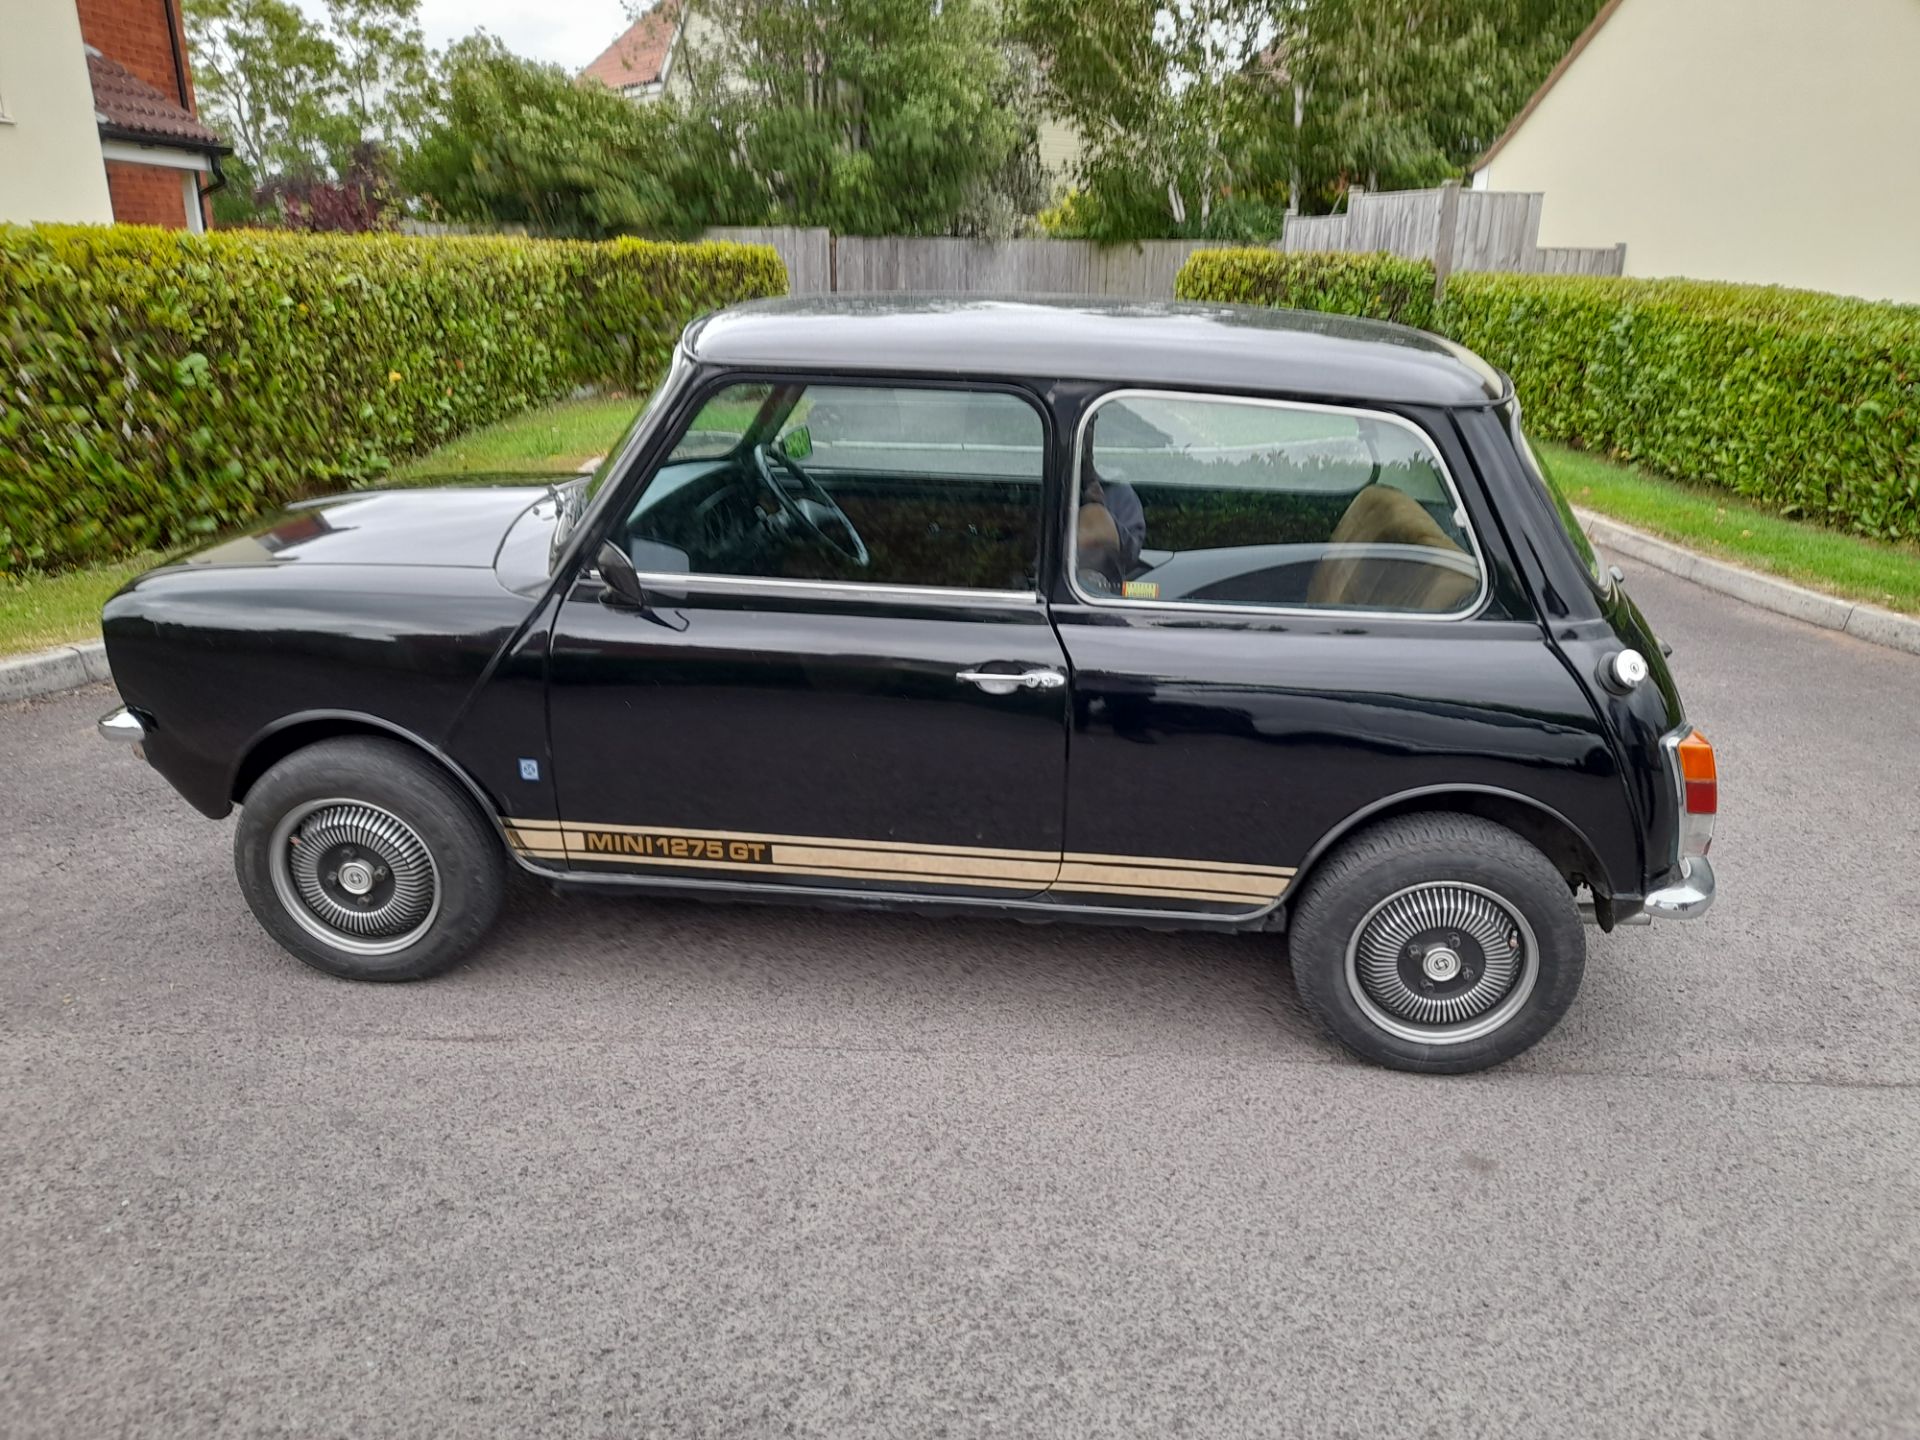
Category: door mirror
<point>623,588</point>
<point>797,443</point>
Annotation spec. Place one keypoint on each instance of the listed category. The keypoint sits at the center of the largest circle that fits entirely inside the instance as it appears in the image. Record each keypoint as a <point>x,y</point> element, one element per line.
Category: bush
<point>1380,286</point>
<point>162,386</point>
<point>1806,402</point>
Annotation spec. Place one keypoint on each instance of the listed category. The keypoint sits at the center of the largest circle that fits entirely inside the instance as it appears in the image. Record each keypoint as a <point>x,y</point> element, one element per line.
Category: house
<point>1771,143</point>
<point>639,64</point>
<point>97,117</point>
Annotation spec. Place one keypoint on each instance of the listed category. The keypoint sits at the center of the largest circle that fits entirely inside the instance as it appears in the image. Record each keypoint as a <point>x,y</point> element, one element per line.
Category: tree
<point>870,116</point>
<point>522,143</point>
<point>1159,94</point>
<point>268,80</point>
<point>385,68</point>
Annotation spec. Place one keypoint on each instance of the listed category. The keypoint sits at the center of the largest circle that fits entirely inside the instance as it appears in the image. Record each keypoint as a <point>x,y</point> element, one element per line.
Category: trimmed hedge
<point>1378,286</point>
<point>160,386</point>
<point>1806,402</point>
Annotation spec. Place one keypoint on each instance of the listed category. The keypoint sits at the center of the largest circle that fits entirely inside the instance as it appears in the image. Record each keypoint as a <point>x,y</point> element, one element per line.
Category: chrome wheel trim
<point>379,837</point>
<point>1384,932</point>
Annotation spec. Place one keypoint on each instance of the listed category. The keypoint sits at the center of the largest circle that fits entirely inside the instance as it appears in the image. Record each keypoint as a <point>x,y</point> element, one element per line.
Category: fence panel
<point>1493,230</point>
<point>808,253</point>
<point>877,264</point>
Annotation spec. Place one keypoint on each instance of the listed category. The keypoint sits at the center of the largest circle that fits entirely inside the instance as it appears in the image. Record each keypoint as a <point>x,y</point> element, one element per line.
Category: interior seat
<point>1382,515</point>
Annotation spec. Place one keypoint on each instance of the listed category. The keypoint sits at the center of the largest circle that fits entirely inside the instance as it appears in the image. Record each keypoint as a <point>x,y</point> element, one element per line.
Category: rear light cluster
<point>1699,785</point>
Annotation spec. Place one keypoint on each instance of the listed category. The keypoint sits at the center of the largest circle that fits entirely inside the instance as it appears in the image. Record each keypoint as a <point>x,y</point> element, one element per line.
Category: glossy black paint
<point>1243,738</point>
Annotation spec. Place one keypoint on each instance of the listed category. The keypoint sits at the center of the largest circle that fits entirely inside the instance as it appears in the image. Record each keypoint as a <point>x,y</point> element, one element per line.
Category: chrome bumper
<point>1687,899</point>
<point>123,725</point>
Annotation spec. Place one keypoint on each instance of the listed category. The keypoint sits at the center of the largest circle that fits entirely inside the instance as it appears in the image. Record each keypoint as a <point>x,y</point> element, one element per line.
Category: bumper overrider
<point>1688,897</point>
<point>123,725</point>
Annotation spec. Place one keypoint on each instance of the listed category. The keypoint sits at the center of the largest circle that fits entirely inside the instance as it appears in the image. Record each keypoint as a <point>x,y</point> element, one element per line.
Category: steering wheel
<point>815,508</point>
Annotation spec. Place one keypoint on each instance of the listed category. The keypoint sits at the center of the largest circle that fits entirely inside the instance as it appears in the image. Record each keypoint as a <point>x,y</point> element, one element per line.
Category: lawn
<point>1716,523</point>
<point>38,611</point>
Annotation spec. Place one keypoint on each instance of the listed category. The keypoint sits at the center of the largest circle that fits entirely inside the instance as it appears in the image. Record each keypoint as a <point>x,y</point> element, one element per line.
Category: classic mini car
<point>1155,614</point>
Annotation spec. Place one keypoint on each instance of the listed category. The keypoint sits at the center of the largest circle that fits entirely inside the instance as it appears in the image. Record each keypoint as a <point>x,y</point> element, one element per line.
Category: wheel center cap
<point>1440,963</point>
<point>356,877</point>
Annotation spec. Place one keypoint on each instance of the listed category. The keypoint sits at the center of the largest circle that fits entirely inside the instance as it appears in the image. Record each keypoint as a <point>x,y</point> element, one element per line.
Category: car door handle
<point>998,682</point>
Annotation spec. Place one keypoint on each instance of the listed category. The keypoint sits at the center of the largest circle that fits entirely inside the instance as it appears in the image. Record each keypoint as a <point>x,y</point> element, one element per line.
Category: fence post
<point>1443,240</point>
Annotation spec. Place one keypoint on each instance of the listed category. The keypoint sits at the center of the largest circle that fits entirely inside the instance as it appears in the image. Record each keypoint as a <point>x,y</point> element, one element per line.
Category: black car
<point>1162,615</point>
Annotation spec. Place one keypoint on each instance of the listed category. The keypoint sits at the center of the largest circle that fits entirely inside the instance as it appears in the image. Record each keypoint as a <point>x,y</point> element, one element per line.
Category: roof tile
<point>639,56</point>
<point>128,106</point>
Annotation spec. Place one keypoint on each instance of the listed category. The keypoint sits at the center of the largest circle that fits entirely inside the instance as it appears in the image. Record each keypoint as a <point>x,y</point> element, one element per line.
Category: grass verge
<point>37,611</point>
<point>553,440</point>
<point>1719,524</point>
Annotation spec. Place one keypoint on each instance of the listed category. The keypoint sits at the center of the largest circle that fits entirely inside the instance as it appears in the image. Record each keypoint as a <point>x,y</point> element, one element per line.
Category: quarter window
<point>854,484</point>
<point>1237,502</point>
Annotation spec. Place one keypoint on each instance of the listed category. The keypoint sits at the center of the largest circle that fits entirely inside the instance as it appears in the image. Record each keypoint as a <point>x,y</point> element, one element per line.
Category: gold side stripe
<point>960,865</point>
<point>1169,879</point>
<point>1225,867</point>
<point>837,842</point>
<point>1238,897</point>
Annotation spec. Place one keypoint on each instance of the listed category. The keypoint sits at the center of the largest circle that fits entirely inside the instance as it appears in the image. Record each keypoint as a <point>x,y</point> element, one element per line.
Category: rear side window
<point>1569,521</point>
<point>1220,501</point>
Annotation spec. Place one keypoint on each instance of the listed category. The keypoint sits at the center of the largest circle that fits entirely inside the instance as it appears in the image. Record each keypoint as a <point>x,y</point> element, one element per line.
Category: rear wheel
<point>1439,943</point>
<point>365,860</point>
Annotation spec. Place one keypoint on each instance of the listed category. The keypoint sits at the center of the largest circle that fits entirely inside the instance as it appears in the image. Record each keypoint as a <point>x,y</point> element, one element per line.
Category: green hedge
<point>1379,286</point>
<point>160,386</point>
<point>1806,402</point>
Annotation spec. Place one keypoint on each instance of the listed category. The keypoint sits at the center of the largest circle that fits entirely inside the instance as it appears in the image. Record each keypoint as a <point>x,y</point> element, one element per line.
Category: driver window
<point>884,485</point>
<point>1212,500</point>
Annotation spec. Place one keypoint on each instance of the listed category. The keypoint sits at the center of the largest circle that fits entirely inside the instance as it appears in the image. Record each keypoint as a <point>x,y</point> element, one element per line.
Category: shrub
<point>1809,403</point>
<point>160,386</point>
<point>1806,402</point>
<point>1380,286</point>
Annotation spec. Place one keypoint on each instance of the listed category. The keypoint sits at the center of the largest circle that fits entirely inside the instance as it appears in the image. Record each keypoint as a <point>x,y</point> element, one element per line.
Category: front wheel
<point>1440,943</point>
<point>366,861</point>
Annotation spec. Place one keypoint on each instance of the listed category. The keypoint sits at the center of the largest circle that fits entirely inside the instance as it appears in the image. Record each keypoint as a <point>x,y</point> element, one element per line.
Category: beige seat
<point>1382,515</point>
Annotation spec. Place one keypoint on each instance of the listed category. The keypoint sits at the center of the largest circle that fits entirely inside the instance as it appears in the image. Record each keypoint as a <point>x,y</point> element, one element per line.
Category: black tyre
<point>365,860</point>
<point>1438,943</point>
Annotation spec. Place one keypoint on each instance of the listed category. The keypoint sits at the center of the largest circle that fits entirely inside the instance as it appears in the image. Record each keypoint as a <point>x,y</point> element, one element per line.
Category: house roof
<point>640,55</point>
<point>128,108</point>
<point>1553,79</point>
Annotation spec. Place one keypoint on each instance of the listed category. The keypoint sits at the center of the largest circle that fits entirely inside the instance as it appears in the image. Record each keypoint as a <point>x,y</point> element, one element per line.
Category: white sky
<point>566,32</point>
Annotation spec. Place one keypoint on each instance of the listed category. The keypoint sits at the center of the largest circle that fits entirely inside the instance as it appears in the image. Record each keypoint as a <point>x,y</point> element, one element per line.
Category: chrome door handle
<point>999,683</point>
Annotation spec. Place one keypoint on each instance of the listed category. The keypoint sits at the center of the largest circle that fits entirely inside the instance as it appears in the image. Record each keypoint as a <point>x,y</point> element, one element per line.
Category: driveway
<point>663,1168</point>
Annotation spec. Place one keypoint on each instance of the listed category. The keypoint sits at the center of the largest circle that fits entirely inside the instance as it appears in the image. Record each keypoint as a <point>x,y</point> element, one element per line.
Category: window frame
<point>711,385</point>
<point>1071,493</point>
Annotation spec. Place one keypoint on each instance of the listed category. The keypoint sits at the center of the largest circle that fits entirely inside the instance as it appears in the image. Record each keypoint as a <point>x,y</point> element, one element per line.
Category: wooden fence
<point>1490,230</point>
<point>821,263</point>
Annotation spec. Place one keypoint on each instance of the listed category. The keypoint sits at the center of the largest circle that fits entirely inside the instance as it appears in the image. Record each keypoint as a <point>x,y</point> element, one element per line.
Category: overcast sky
<point>566,32</point>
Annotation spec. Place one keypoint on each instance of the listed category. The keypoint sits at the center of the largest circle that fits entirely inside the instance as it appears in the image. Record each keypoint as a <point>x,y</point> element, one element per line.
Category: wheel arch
<point>1549,831</point>
<point>296,732</point>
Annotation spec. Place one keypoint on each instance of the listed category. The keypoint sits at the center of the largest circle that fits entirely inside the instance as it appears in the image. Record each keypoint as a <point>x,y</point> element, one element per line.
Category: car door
<point>843,678</point>
<point>1277,615</point>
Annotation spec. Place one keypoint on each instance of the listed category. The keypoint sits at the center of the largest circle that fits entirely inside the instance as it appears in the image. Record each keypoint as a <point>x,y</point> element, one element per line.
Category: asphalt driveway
<point>664,1168</point>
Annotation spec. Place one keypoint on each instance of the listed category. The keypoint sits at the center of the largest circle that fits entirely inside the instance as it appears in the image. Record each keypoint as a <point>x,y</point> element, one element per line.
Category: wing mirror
<point>623,588</point>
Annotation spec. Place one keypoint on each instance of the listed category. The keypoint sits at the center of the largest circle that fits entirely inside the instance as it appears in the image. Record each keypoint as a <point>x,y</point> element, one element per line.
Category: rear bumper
<point>123,725</point>
<point>1689,896</point>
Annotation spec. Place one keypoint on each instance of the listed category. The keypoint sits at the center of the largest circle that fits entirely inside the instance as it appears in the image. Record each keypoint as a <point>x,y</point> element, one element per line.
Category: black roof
<point>1135,342</point>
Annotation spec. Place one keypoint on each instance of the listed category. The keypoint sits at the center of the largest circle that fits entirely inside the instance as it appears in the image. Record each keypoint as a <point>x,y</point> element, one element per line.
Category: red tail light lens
<point>1699,780</point>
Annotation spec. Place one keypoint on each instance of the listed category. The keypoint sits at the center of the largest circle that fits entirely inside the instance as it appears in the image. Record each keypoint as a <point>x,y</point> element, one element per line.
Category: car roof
<point>1132,342</point>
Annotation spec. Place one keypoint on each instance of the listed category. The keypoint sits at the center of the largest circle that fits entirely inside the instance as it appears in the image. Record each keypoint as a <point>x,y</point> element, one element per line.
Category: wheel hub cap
<point>355,875</point>
<point>1441,963</point>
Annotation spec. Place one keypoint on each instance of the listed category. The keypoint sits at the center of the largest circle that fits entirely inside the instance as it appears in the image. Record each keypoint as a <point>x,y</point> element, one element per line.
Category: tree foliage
<point>869,116</point>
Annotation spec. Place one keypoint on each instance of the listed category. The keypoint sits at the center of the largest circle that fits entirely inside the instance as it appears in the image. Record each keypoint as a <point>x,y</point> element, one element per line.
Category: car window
<point>1204,500</point>
<point>883,485</point>
<point>1557,497</point>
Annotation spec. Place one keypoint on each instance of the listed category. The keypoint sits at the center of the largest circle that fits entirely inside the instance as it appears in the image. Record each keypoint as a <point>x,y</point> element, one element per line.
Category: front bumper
<point>1687,898</point>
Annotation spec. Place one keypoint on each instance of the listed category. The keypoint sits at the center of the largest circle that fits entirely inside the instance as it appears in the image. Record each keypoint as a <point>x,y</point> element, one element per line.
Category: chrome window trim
<point>830,589</point>
<point>1303,612</point>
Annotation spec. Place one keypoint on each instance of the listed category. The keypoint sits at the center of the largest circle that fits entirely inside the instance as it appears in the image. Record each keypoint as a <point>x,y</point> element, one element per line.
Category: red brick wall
<point>146,195</point>
<point>134,32</point>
